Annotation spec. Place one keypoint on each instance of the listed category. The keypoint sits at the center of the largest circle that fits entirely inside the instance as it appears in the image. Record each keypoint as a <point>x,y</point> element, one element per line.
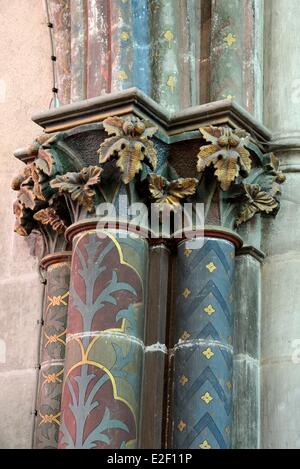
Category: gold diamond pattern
<point>209,310</point>
<point>186,293</point>
<point>207,398</point>
<point>205,445</point>
<point>211,267</point>
<point>181,426</point>
<point>208,353</point>
<point>183,380</point>
<point>185,335</point>
<point>230,39</point>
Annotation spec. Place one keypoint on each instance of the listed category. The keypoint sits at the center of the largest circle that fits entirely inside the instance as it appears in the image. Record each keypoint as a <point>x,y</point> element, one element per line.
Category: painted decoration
<point>52,356</point>
<point>202,412</point>
<point>102,384</point>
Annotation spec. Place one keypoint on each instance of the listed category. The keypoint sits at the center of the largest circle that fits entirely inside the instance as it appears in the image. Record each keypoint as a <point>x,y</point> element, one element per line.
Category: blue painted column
<point>202,407</point>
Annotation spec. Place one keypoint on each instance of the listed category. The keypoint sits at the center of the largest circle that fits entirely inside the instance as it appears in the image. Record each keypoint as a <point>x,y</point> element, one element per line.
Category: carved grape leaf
<point>79,185</point>
<point>257,200</point>
<point>130,145</point>
<point>48,216</point>
<point>44,161</point>
<point>227,153</point>
<point>171,193</point>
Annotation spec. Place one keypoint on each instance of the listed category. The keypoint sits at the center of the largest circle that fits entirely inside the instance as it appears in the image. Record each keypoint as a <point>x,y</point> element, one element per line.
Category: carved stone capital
<point>126,144</point>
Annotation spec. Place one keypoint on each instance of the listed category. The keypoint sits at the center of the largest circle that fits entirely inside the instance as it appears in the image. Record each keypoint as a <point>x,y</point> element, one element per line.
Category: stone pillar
<point>246,339</point>
<point>105,332</point>
<point>57,267</point>
<point>153,408</point>
<point>280,376</point>
<point>202,409</point>
<point>236,53</point>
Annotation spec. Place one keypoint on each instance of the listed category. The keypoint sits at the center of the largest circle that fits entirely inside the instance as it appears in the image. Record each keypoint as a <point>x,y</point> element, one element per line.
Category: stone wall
<point>25,87</point>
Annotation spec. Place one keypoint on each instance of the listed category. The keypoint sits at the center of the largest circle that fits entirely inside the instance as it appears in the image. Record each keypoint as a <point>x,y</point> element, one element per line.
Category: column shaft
<point>105,348</point>
<point>280,377</point>
<point>202,410</point>
<point>52,350</point>
<point>153,401</point>
<point>236,52</point>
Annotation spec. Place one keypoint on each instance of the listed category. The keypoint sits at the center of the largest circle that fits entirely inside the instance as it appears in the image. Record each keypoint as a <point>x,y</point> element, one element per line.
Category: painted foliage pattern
<point>52,356</point>
<point>100,404</point>
<point>203,356</point>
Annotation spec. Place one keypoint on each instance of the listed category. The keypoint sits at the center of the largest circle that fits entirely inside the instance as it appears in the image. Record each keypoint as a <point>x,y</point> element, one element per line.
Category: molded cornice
<point>171,125</point>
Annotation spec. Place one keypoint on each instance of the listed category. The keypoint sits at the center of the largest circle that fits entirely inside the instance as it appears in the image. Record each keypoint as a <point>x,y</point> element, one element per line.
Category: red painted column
<point>105,339</point>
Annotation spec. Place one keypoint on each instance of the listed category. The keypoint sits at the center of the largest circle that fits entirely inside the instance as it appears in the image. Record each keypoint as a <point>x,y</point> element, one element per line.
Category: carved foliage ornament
<point>80,186</point>
<point>171,193</point>
<point>256,201</point>
<point>226,152</point>
<point>52,192</point>
<point>130,145</point>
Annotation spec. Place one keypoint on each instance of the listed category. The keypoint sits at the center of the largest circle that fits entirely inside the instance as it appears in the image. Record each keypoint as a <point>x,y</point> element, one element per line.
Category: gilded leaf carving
<point>256,200</point>
<point>48,216</point>
<point>79,185</point>
<point>130,145</point>
<point>171,193</point>
<point>226,152</point>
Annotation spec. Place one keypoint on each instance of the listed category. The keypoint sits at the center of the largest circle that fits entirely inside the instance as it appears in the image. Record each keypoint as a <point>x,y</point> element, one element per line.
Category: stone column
<point>202,409</point>
<point>57,267</point>
<point>246,342</point>
<point>105,339</point>
<point>280,369</point>
<point>236,53</point>
<point>153,408</point>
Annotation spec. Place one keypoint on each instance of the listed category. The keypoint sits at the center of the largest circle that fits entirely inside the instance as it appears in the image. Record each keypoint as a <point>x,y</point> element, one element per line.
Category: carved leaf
<point>130,145</point>
<point>26,197</point>
<point>23,224</point>
<point>79,185</point>
<point>226,152</point>
<point>129,161</point>
<point>110,148</point>
<point>44,161</point>
<point>113,125</point>
<point>170,193</point>
<point>227,170</point>
<point>48,216</point>
<point>183,187</point>
<point>257,201</point>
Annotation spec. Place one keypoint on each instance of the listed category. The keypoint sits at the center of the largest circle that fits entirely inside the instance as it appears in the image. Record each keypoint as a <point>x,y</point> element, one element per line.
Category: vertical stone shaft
<point>78,11</point>
<point>98,48</point>
<point>280,377</point>
<point>236,52</point>
<point>202,409</point>
<point>153,401</point>
<point>52,349</point>
<point>246,360</point>
<point>105,348</point>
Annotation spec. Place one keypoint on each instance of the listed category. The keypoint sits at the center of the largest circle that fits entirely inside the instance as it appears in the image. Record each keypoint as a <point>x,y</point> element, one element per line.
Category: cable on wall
<point>54,100</point>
